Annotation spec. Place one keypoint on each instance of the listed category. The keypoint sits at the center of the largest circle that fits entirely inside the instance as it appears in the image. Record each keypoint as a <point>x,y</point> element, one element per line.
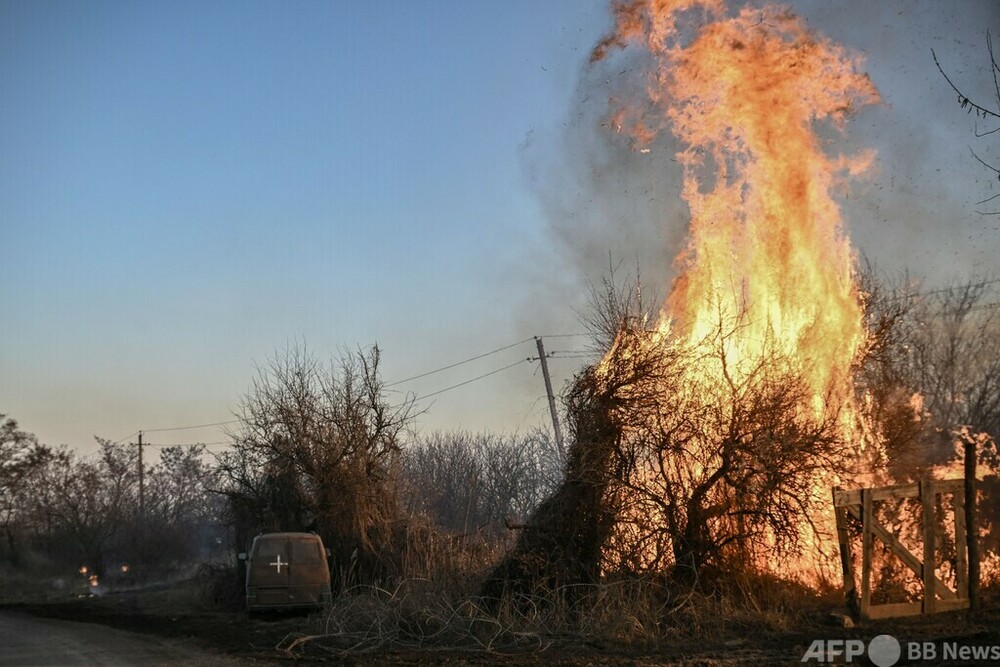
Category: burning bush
<point>666,475</point>
<point>709,473</point>
<point>716,435</point>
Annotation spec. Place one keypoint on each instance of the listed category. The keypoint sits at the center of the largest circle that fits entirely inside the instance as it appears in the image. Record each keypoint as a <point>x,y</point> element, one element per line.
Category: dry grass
<point>628,613</point>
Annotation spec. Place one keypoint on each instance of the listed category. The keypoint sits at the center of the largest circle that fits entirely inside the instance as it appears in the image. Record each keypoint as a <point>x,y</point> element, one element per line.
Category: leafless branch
<point>964,101</point>
<point>984,163</point>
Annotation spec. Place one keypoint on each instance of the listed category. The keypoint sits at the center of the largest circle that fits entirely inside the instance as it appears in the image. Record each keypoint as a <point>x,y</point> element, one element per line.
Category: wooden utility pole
<point>142,488</point>
<point>971,529</point>
<point>552,398</point>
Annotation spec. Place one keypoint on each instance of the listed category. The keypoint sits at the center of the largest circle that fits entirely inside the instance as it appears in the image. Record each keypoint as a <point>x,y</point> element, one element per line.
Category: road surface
<point>26,640</point>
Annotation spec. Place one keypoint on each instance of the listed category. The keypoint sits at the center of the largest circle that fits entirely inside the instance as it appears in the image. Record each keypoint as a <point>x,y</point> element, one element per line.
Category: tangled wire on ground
<point>370,618</point>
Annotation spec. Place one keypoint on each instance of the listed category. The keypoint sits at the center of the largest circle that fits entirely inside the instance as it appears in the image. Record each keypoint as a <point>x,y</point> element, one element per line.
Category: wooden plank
<point>843,497</point>
<point>903,553</point>
<point>846,563</point>
<point>951,605</point>
<point>894,610</point>
<point>896,491</point>
<point>866,551</point>
<point>927,498</point>
<point>961,564</point>
<point>949,485</point>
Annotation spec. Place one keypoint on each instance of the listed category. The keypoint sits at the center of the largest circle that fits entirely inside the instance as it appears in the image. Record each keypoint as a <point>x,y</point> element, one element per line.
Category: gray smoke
<point>605,203</point>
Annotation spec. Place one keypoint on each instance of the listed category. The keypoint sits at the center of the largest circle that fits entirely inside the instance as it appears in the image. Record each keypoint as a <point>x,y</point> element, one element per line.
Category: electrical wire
<point>189,428</point>
<point>391,384</point>
<point>183,444</point>
<point>462,384</point>
<point>459,363</point>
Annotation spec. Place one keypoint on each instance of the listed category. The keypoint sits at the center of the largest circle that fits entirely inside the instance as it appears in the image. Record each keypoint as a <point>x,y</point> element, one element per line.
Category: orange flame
<point>751,98</point>
<point>766,238</point>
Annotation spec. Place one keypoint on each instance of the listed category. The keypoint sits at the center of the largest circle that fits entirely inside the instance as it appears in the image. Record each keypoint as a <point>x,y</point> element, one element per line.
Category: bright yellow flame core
<point>767,246</point>
<point>750,97</point>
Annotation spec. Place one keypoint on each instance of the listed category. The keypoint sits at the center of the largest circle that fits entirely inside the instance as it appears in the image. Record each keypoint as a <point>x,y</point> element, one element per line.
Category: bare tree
<point>466,482</point>
<point>932,377</point>
<point>706,470</point>
<point>178,483</point>
<point>180,518</point>
<point>954,349</point>
<point>93,500</point>
<point>932,366</point>
<point>614,300</point>
<point>21,457</point>
<point>317,447</point>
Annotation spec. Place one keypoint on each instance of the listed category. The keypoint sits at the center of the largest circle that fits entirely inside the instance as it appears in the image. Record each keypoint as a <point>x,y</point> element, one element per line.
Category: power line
<point>459,363</point>
<point>391,384</point>
<point>419,398</point>
<point>183,444</point>
<point>531,408</point>
<point>569,335</point>
<point>120,440</point>
<point>189,428</point>
<point>462,384</point>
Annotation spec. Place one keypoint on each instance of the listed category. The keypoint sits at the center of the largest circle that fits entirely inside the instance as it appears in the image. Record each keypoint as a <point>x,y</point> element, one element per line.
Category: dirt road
<point>28,640</point>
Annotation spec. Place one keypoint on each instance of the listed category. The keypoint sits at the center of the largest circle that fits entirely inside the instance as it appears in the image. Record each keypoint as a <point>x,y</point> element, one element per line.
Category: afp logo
<point>883,651</point>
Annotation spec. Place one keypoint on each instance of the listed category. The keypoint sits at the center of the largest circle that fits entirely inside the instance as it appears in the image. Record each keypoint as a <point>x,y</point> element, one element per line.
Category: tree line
<point>321,446</point>
<point>317,447</point>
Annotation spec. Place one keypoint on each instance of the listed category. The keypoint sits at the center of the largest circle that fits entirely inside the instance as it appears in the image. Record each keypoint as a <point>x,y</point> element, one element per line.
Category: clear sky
<point>186,187</point>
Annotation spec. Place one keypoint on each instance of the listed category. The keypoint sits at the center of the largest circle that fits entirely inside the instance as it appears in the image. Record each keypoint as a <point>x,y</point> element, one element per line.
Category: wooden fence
<point>937,595</point>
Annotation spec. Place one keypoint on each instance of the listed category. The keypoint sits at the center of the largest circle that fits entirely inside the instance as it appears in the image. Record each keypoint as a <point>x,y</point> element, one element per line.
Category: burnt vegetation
<point>665,505</point>
<point>672,481</point>
<point>710,492</point>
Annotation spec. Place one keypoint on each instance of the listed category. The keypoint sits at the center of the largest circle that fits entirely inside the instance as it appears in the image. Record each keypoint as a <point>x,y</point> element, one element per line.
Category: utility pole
<point>552,398</point>
<point>142,489</point>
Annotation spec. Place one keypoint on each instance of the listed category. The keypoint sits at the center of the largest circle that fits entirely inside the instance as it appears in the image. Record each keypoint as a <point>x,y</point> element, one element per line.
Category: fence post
<point>846,564</point>
<point>929,529</point>
<point>971,530</point>
<point>866,551</point>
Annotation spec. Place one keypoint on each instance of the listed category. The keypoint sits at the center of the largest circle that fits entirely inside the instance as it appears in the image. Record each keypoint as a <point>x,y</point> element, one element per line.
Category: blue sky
<point>186,187</point>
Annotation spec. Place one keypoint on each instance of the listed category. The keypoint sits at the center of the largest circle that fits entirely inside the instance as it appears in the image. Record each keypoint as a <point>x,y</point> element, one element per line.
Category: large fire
<point>768,273</point>
<point>767,246</point>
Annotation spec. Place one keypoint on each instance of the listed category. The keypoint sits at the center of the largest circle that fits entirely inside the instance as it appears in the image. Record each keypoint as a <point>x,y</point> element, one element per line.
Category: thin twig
<point>983,162</point>
<point>962,99</point>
